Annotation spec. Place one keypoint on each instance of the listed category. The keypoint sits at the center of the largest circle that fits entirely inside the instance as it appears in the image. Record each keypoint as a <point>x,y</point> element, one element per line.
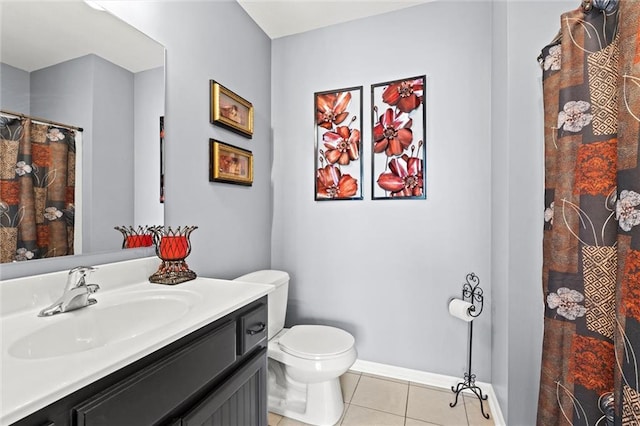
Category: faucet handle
<point>92,288</point>
<point>84,270</point>
<point>76,277</point>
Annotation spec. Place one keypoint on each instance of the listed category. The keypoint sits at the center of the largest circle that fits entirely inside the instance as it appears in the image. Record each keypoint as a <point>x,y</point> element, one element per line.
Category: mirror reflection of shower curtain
<point>591,275</point>
<point>37,189</point>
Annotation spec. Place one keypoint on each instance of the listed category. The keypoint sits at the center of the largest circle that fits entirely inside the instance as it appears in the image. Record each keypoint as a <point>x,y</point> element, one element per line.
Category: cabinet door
<point>240,401</point>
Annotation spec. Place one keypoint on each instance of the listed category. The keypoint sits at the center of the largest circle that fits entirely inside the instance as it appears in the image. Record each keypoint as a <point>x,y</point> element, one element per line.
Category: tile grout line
<point>355,388</point>
<point>406,403</point>
<point>466,412</point>
<point>344,415</point>
<point>406,407</point>
<point>423,421</point>
<point>378,410</point>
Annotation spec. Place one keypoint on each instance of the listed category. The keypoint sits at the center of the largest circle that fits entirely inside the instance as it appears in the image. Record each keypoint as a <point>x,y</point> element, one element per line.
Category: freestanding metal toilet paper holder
<point>472,293</point>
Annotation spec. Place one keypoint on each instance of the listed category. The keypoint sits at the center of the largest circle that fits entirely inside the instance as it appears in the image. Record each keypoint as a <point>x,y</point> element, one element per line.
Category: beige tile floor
<point>374,400</point>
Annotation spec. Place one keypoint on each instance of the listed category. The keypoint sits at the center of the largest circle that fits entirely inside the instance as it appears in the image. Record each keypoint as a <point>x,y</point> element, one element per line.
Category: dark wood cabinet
<point>215,376</point>
<point>237,402</point>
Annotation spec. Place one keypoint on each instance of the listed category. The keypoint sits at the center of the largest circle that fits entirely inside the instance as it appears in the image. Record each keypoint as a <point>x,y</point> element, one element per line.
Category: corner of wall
<point>499,199</point>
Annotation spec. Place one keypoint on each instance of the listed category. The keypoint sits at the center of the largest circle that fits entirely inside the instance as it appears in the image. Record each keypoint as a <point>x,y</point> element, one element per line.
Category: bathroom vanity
<point>149,354</point>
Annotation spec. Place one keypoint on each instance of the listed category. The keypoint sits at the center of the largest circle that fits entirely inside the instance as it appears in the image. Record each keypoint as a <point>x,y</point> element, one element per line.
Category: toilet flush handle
<point>258,328</point>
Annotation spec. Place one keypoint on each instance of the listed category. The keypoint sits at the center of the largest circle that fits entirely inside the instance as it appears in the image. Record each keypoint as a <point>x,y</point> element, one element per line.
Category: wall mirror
<point>70,63</point>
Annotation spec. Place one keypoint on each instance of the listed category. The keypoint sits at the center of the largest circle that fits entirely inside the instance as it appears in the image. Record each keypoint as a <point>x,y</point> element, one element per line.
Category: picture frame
<point>398,139</point>
<point>230,164</point>
<point>230,110</point>
<point>338,144</point>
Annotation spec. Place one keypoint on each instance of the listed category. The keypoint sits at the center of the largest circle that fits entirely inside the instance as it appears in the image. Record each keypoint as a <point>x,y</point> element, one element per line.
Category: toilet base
<point>318,404</point>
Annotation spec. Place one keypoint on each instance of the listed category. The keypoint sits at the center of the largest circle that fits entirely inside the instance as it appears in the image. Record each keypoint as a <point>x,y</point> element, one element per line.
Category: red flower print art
<point>406,95</point>
<point>393,133</point>
<point>331,109</point>
<point>343,145</point>
<point>404,178</point>
<point>338,126</point>
<point>331,183</point>
<point>398,133</point>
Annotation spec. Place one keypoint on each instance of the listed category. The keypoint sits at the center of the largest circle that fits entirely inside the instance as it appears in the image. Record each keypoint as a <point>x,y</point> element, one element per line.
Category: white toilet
<point>305,361</point>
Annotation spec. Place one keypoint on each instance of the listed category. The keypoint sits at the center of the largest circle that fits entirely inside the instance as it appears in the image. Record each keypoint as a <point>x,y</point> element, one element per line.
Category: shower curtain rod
<point>40,120</point>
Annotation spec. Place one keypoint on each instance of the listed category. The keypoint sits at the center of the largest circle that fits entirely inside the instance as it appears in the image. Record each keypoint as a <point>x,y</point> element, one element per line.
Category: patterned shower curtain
<point>591,272</point>
<point>37,188</point>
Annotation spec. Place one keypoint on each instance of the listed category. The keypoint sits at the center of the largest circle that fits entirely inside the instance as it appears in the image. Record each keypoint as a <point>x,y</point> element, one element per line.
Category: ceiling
<point>37,34</point>
<point>279,18</point>
<point>26,26</point>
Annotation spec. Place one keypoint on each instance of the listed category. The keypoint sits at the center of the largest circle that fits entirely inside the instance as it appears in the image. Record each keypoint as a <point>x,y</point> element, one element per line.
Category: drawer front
<point>252,328</point>
<point>150,395</point>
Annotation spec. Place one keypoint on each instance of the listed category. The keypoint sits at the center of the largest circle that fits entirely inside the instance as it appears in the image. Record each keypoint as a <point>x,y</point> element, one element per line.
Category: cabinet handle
<point>258,328</point>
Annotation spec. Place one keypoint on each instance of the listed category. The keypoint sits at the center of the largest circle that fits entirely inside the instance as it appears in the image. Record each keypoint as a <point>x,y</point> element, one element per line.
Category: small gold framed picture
<point>230,164</point>
<point>230,111</point>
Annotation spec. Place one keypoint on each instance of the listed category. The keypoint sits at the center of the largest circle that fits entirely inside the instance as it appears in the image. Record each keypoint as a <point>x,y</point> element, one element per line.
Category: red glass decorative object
<point>172,247</point>
<point>139,241</point>
<point>142,236</point>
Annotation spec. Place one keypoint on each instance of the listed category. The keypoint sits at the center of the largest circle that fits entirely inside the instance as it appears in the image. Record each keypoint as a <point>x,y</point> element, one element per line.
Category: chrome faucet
<point>76,293</point>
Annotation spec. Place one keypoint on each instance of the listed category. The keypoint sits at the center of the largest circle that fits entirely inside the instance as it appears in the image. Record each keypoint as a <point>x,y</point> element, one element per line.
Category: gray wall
<point>148,108</point>
<point>385,270</point>
<point>521,30</point>
<point>212,40</point>
<point>97,95</point>
<point>14,89</point>
<point>112,164</point>
<point>499,214</point>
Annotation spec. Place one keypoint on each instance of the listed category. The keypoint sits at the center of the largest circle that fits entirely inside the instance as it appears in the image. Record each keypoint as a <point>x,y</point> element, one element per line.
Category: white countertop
<point>28,385</point>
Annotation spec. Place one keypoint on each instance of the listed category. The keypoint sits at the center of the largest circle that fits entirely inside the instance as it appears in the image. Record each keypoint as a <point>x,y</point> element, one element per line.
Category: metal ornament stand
<point>472,293</point>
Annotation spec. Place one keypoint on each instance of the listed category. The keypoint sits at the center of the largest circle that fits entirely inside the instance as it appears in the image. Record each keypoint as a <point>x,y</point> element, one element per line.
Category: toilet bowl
<point>305,362</point>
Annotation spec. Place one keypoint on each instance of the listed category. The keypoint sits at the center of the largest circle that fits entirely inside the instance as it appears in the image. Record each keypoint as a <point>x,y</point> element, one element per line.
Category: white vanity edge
<point>29,385</point>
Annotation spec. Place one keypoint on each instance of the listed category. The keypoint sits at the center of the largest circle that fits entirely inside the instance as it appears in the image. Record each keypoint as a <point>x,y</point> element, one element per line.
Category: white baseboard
<point>430,379</point>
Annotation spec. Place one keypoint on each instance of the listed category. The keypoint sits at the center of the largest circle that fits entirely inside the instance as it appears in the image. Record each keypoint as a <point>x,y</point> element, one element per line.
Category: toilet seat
<point>316,342</point>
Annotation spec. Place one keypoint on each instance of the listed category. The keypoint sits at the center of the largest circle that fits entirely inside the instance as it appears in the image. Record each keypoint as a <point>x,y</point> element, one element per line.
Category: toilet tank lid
<point>266,276</point>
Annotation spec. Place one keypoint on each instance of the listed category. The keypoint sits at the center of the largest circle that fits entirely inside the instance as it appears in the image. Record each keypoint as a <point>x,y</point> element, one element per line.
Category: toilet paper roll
<point>460,309</point>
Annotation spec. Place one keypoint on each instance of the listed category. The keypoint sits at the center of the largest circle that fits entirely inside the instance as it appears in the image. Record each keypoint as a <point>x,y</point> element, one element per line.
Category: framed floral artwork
<point>338,144</point>
<point>230,164</point>
<point>230,111</point>
<point>398,154</point>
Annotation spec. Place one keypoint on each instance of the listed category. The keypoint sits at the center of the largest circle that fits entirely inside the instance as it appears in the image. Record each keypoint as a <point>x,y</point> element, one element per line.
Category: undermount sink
<point>113,319</point>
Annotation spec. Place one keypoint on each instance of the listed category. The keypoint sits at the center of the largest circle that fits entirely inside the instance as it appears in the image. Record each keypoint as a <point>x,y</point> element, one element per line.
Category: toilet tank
<point>277,299</point>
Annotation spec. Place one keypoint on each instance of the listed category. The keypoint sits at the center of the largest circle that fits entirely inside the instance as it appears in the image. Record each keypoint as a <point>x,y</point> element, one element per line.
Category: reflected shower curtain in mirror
<point>37,188</point>
<point>591,271</point>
